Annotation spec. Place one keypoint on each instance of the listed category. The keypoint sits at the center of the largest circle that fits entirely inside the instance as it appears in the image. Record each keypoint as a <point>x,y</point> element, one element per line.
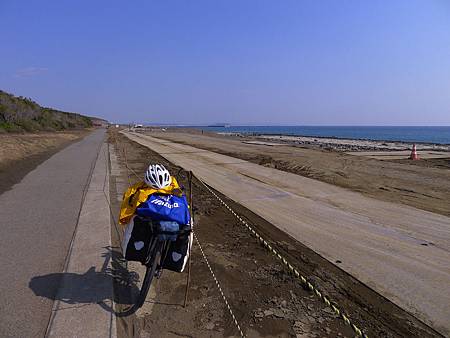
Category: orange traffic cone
<point>414,155</point>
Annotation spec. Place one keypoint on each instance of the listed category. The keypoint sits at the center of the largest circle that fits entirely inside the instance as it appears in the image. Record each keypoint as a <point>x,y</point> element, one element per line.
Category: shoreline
<point>341,144</point>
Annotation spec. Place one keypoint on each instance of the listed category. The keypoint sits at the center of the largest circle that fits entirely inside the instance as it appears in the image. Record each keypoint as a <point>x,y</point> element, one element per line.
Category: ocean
<point>440,135</point>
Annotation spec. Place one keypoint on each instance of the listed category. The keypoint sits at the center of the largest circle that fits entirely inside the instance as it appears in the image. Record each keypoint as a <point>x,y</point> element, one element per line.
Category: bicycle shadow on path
<point>92,287</point>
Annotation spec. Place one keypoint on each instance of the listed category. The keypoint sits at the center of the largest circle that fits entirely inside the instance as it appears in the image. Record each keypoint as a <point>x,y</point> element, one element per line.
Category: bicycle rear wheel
<point>155,259</point>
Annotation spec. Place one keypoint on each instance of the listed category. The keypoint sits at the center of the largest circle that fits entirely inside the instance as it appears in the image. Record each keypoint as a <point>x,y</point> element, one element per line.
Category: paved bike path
<point>38,217</point>
<point>84,306</point>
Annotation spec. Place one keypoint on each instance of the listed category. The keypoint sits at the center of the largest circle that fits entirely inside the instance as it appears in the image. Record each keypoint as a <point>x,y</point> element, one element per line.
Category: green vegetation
<point>21,114</point>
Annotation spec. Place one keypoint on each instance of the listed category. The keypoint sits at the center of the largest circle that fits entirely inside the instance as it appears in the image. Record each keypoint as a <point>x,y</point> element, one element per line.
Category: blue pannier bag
<point>170,230</point>
<point>165,208</point>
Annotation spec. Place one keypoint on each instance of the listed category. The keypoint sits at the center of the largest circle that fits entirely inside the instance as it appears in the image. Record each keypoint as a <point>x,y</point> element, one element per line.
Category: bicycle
<point>159,247</point>
<point>156,255</point>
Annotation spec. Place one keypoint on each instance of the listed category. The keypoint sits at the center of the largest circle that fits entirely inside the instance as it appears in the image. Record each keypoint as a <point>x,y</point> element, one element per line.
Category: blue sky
<point>242,62</point>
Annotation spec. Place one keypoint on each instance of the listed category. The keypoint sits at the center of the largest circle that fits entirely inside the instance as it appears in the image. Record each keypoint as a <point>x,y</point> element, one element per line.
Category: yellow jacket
<point>138,193</point>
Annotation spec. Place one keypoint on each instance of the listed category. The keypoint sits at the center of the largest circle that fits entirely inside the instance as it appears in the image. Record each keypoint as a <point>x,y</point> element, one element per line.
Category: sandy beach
<point>344,144</point>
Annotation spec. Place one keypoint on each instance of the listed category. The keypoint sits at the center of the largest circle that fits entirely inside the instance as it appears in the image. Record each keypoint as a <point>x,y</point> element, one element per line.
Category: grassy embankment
<point>20,114</point>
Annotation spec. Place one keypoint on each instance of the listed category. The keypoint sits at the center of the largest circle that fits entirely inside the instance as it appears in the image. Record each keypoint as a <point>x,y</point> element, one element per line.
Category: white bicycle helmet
<point>157,176</point>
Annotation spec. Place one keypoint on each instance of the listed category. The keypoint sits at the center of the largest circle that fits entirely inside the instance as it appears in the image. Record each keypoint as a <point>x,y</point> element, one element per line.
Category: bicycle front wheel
<point>155,258</point>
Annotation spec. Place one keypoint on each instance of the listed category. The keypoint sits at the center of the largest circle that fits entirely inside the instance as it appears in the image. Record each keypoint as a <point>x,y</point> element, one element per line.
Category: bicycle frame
<point>155,257</point>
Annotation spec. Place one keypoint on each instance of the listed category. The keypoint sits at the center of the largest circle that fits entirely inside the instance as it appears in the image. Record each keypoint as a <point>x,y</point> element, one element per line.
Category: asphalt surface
<point>84,306</point>
<point>400,251</point>
<point>38,217</point>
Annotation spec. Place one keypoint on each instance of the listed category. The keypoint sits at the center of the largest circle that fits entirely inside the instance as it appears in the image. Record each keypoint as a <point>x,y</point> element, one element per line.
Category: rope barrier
<point>291,268</point>
<point>220,288</point>
<point>128,167</point>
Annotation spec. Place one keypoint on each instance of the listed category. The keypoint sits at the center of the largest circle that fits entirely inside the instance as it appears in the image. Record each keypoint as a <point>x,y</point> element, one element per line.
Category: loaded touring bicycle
<point>159,234</point>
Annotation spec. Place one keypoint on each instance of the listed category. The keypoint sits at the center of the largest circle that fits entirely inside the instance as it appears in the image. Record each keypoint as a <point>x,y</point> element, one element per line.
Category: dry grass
<point>14,147</point>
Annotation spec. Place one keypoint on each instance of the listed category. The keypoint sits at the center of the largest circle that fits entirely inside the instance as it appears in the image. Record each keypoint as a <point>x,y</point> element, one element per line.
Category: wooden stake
<point>190,247</point>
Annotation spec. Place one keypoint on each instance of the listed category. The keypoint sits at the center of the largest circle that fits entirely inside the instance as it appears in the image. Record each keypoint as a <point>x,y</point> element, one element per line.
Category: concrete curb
<point>85,305</point>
